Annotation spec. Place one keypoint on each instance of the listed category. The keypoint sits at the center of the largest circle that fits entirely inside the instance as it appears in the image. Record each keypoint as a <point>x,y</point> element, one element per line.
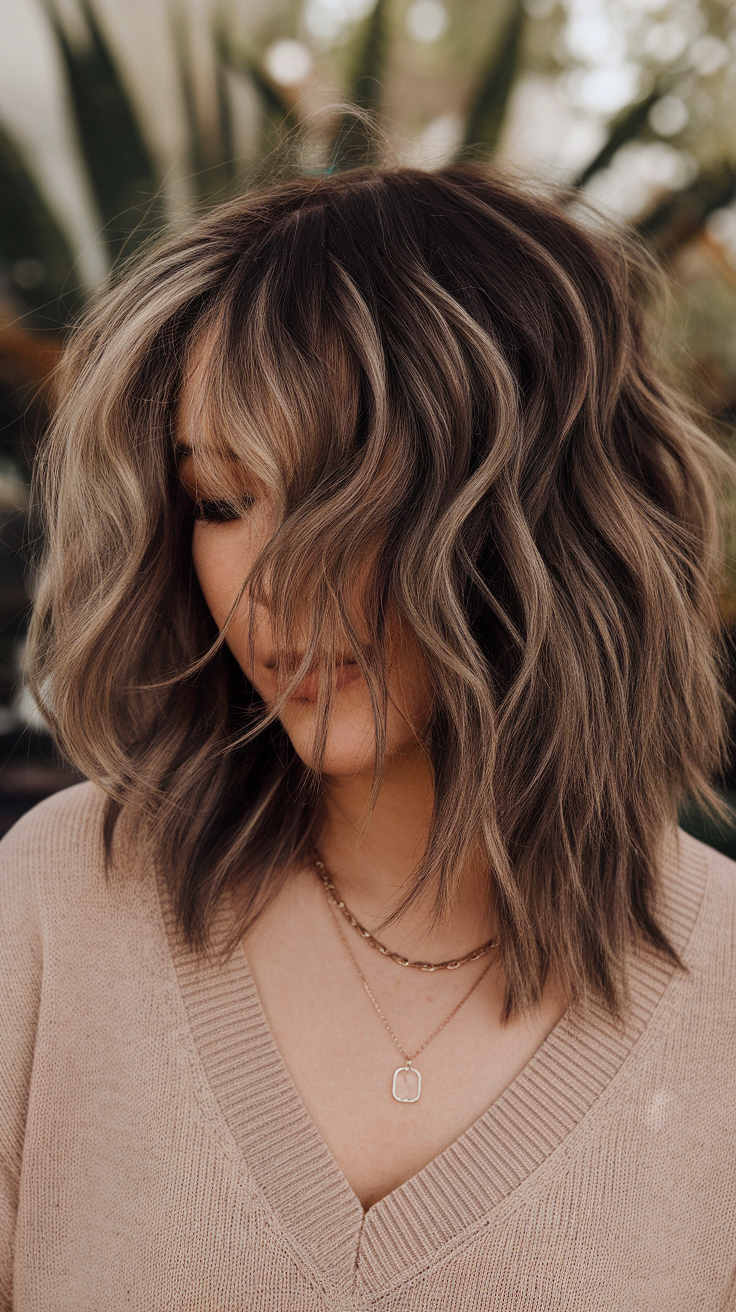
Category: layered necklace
<point>407,1081</point>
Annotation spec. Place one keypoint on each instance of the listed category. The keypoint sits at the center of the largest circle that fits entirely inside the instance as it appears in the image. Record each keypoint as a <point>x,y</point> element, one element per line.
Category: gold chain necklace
<point>452,964</point>
<point>407,1081</point>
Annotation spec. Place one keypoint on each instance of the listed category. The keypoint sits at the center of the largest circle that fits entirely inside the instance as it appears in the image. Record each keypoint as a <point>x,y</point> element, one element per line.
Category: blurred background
<point>120,117</point>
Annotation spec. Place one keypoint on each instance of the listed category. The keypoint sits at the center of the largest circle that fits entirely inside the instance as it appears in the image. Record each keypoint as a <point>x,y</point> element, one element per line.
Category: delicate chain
<point>408,1059</point>
<point>452,964</point>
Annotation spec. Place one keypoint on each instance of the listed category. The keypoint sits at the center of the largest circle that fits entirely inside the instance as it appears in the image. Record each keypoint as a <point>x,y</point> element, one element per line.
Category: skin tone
<point>335,1047</point>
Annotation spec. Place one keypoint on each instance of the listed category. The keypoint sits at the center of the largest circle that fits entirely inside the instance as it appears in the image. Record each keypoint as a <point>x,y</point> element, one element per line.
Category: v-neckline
<point>296,1171</point>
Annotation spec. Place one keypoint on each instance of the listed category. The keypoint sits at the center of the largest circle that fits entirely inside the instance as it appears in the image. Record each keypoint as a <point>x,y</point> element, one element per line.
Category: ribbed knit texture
<point>155,1155</point>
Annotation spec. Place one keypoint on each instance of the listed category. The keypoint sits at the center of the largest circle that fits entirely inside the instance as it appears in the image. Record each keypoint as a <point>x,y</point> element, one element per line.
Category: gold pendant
<point>407,1084</point>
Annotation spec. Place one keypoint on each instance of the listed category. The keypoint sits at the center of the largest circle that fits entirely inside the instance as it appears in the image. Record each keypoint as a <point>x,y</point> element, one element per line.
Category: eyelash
<point>217,512</point>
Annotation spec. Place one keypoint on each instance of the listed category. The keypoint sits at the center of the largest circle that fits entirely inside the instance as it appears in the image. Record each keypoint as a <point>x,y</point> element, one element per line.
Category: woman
<point>371,969</point>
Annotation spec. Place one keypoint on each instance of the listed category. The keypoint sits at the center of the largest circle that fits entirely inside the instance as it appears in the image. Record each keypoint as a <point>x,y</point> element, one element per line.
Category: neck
<point>372,860</point>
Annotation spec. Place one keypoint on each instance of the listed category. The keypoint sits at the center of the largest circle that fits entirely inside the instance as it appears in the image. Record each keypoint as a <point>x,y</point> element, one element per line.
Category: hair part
<point>444,380</point>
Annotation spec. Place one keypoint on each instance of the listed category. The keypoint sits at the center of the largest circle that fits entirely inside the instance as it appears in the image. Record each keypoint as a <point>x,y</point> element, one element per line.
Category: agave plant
<point>124,178</point>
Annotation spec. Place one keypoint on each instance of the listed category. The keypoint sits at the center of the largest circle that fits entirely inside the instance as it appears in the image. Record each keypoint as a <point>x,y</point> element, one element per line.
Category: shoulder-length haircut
<point>448,376</point>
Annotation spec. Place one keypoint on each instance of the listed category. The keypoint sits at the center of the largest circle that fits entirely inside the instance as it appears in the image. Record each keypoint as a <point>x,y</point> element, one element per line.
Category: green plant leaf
<point>678,218</point>
<point>489,102</point>
<point>354,141</point>
<point>278,117</point>
<point>184,66</point>
<point>210,149</point>
<point>366,87</point>
<point>37,259</point>
<point>625,128</point>
<point>120,167</point>
<point>228,153</point>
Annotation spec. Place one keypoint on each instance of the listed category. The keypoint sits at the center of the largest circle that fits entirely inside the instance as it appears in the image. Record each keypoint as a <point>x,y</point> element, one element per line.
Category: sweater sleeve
<point>20,988</point>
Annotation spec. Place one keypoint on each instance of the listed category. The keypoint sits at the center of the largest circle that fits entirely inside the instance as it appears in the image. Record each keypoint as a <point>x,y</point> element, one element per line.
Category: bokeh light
<point>288,62</point>
<point>427,20</point>
<point>328,20</point>
<point>668,116</point>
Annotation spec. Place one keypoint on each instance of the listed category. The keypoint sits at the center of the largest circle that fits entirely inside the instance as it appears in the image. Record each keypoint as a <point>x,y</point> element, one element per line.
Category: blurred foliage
<point>352,144</point>
<point>277,119</point>
<point>35,256</point>
<point>212,152</point>
<point>490,97</point>
<point>121,171</point>
<point>539,36</point>
<point>624,129</point>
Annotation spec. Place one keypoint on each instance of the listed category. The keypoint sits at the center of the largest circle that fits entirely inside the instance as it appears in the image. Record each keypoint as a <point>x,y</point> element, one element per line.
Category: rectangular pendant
<point>407,1084</point>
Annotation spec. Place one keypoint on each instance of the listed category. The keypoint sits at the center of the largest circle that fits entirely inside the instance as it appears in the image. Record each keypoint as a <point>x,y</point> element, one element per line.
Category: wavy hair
<point>448,375</point>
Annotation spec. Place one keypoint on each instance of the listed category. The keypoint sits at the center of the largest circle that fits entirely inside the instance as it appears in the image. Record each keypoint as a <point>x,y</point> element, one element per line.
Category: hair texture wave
<point>447,377</point>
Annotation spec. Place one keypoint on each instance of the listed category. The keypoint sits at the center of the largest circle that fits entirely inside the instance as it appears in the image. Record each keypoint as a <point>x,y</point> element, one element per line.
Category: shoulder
<point>65,827</point>
<point>56,852</point>
<point>66,817</point>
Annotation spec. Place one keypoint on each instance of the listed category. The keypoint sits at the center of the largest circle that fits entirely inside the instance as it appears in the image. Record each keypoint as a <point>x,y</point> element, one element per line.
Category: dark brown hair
<point>449,373</point>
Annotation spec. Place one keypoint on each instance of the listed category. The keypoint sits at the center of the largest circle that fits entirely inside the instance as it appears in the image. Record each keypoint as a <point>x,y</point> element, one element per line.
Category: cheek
<point>223,555</point>
<point>410,687</point>
<point>214,566</point>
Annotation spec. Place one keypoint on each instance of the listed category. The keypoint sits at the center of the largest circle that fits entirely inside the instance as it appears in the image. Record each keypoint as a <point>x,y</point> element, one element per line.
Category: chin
<point>351,743</point>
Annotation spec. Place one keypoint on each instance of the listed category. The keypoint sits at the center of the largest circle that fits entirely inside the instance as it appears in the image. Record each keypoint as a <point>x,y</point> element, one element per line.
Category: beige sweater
<point>154,1154</point>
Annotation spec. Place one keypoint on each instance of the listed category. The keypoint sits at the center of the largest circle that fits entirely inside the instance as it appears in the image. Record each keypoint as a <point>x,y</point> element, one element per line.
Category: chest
<point>347,1065</point>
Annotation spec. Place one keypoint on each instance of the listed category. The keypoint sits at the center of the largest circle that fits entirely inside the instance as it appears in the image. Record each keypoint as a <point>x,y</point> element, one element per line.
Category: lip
<point>346,672</point>
<point>308,689</point>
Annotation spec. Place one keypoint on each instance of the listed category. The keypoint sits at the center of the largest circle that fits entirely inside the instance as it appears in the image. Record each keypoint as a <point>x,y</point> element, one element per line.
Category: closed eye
<point>219,512</point>
<point>209,510</point>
